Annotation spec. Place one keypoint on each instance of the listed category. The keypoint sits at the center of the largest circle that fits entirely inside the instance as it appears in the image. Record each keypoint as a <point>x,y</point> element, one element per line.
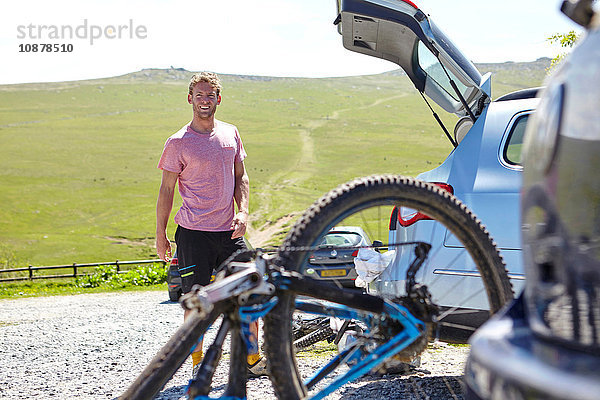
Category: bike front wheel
<point>464,272</point>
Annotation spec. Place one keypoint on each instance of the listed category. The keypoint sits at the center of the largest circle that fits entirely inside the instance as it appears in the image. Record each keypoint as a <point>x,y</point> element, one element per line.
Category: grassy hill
<point>78,159</point>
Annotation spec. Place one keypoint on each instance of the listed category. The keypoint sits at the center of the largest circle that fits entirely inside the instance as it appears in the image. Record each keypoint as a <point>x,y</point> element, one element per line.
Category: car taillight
<point>447,187</point>
<point>174,261</point>
<point>407,218</point>
<point>355,253</point>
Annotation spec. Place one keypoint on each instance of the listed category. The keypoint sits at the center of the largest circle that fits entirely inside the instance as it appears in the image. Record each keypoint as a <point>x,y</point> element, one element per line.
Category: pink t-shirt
<point>205,164</point>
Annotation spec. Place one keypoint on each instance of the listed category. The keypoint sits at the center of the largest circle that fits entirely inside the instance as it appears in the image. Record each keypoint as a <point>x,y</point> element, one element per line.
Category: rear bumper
<point>342,273</point>
<point>173,279</point>
<point>508,361</point>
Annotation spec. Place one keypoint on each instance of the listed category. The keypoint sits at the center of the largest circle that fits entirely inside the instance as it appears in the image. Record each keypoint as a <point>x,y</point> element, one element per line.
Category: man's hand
<point>240,221</point>
<point>164,204</point>
<point>163,247</point>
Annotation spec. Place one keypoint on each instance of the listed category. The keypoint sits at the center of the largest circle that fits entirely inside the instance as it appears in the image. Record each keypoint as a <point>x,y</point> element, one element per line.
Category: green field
<point>78,159</point>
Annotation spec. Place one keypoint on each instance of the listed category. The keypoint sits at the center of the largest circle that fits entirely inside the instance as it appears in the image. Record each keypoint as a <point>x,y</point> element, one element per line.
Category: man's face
<point>204,100</point>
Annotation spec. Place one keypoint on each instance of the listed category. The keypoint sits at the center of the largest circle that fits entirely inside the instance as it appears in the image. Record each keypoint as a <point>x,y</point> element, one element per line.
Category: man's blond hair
<point>209,77</point>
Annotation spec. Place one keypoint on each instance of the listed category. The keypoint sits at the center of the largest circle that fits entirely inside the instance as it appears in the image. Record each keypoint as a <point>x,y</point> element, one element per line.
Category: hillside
<point>78,159</point>
<point>506,77</point>
<point>510,76</point>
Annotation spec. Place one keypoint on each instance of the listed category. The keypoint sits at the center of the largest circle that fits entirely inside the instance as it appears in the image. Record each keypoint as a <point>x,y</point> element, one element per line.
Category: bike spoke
<point>459,326</point>
<point>393,210</point>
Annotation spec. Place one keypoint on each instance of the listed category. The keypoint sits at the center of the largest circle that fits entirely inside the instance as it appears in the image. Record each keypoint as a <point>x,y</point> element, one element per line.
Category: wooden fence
<point>77,270</point>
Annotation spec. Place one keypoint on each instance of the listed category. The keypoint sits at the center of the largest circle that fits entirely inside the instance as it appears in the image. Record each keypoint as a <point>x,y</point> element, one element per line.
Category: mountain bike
<point>388,326</point>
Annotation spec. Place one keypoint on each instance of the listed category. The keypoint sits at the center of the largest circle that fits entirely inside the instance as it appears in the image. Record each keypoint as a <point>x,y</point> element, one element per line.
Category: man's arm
<point>164,205</point>
<point>241,196</point>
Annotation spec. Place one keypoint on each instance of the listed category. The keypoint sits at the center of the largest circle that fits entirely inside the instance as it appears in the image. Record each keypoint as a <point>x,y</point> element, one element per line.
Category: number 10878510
<point>45,48</point>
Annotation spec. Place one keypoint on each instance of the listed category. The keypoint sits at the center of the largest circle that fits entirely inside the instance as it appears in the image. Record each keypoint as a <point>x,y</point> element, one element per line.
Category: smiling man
<point>206,157</point>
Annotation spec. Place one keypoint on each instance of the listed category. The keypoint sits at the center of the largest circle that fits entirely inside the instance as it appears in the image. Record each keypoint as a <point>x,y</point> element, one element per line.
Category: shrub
<point>101,275</point>
<point>145,275</point>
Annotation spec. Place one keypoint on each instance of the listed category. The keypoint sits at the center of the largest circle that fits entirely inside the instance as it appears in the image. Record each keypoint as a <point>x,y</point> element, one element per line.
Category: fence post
<point>117,264</point>
<point>74,270</point>
<point>30,273</point>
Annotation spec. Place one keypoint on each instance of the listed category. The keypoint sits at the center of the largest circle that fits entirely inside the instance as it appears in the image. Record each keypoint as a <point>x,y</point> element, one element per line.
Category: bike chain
<point>418,299</point>
<point>291,249</point>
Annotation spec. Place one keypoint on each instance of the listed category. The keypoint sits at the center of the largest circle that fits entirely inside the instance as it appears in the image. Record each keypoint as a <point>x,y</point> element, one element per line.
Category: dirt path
<point>299,172</point>
<point>261,237</point>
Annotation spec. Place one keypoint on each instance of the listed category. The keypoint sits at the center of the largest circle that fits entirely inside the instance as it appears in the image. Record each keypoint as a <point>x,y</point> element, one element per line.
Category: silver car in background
<point>334,260</point>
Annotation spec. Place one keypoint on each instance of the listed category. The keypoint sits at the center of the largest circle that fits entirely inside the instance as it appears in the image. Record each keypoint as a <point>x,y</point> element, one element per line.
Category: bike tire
<point>313,337</point>
<point>304,329</point>
<point>170,357</point>
<point>328,211</point>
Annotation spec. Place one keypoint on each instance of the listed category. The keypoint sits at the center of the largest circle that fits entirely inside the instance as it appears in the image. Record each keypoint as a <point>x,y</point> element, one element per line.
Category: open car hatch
<point>398,31</point>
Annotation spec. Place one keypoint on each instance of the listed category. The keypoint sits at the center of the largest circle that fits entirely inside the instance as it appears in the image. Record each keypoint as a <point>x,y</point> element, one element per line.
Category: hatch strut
<point>458,93</point>
<point>439,121</point>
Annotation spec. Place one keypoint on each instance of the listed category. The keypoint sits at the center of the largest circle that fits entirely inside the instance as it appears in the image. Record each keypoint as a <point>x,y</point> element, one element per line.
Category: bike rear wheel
<point>373,203</point>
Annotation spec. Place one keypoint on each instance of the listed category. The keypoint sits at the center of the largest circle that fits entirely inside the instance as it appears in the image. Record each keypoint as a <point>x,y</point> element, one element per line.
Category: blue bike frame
<point>412,330</point>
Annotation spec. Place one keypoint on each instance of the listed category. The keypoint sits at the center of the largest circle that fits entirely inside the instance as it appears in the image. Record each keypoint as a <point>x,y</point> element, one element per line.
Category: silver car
<point>334,259</point>
<point>547,344</point>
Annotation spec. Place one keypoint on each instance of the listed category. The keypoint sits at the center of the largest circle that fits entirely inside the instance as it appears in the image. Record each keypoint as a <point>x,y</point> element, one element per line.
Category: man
<point>206,157</point>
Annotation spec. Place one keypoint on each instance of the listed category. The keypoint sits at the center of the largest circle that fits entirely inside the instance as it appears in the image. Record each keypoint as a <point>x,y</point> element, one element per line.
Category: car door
<point>398,31</point>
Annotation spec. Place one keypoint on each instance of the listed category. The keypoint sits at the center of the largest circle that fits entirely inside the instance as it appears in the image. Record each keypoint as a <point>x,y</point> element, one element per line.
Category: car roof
<point>352,229</point>
<point>529,93</point>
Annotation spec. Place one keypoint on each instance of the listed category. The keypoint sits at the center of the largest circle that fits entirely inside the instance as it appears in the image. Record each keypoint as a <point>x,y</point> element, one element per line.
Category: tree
<point>565,40</point>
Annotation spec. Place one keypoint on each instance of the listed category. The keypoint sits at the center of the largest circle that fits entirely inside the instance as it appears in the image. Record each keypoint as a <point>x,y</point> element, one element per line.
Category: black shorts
<point>200,252</point>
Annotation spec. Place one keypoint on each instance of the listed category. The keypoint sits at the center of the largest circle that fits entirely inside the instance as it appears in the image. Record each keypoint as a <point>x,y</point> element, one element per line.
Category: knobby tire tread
<point>313,337</point>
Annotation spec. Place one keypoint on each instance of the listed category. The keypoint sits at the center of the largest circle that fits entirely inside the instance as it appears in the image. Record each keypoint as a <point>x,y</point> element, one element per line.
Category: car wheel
<point>174,296</point>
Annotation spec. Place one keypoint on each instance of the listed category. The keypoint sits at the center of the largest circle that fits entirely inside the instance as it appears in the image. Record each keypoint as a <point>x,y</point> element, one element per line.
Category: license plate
<point>333,272</point>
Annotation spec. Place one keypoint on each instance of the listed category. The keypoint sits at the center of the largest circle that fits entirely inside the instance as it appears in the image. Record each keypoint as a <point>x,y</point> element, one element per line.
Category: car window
<point>432,67</point>
<point>341,239</point>
<point>514,144</point>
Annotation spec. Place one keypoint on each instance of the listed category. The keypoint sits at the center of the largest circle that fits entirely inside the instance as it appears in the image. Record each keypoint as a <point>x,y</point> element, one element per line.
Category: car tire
<point>174,296</point>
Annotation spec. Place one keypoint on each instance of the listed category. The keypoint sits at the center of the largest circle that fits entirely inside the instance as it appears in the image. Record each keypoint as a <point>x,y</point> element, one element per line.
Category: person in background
<point>206,159</point>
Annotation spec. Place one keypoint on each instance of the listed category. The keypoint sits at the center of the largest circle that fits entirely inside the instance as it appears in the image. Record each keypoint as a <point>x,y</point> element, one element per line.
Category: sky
<point>261,37</point>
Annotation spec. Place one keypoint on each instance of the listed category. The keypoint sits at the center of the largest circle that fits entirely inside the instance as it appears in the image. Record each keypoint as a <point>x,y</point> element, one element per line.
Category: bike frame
<point>367,359</point>
<point>345,304</point>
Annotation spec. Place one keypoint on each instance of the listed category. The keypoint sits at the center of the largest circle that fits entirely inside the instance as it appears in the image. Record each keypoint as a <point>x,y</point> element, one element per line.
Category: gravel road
<point>92,346</point>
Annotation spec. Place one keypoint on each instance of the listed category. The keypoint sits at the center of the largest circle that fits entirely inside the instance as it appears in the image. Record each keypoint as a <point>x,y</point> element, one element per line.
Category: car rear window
<point>341,239</point>
<point>434,69</point>
<point>514,144</point>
